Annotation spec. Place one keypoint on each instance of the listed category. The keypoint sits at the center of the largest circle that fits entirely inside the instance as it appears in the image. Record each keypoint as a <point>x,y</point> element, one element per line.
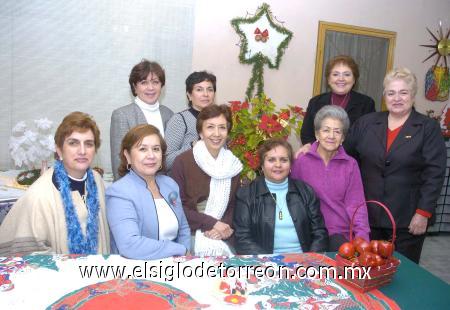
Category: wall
<point>215,41</point>
<point>62,56</point>
<point>57,57</point>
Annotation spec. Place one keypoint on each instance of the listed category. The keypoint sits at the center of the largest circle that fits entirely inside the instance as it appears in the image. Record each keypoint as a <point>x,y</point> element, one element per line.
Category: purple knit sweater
<point>339,188</point>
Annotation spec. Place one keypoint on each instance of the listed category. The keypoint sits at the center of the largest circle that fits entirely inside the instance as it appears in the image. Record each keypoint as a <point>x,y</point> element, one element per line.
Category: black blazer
<point>254,218</point>
<point>409,176</point>
<point>357,106</point>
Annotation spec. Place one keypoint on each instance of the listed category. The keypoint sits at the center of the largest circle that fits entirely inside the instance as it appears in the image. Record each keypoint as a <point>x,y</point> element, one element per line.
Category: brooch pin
<point>173,198</point>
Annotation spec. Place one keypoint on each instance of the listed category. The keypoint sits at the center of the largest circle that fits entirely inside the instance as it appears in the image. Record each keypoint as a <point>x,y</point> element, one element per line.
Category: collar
<point>145,106</point>
<point>277,186</point>
<point>194,112</point>
<point>261,188</point>
<point>133,175</point>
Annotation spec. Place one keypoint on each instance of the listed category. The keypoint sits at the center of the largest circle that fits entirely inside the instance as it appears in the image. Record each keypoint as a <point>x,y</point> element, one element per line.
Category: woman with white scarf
<point>208,177</point>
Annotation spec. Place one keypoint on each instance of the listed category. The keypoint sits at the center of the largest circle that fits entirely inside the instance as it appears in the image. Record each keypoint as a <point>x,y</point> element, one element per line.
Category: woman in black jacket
<point>402,159</point>
<point>342,74</point>
<point>274,206</point>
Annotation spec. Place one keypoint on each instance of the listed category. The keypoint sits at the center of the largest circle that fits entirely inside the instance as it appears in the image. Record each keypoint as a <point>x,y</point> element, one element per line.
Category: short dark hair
<point>76,121</point>
<point>342,59</point>
<point>141,70</point>
<point>272,143</point>
<point>198,77</point>
<point>212,111</point>
<point>135,136</point>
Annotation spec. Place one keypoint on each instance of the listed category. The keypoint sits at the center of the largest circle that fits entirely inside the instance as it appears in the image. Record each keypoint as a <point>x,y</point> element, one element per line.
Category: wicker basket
<point>379,275</point>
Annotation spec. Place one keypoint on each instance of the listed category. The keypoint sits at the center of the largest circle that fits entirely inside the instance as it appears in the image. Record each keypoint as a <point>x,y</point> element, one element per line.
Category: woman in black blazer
<point>342,74</point>
<point>402,160</point>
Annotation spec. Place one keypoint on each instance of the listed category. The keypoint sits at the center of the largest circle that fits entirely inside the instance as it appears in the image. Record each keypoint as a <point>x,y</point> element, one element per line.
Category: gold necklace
<point>280,210</point>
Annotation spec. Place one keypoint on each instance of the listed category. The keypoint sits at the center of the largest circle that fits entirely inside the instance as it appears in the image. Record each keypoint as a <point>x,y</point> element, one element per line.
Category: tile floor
<point>436,255</point>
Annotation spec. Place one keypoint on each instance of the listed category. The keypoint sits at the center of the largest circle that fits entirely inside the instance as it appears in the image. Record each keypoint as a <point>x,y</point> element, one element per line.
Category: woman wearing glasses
<point>146,80</point>
<point>334,176</point>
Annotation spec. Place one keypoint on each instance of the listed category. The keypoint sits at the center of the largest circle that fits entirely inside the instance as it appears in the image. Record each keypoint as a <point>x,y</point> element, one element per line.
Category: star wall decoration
<point>263,41</point>
<point>437,80</point>
<point>441,46</point>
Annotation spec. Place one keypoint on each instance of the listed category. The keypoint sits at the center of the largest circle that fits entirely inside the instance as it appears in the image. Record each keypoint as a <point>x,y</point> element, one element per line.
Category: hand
<point>418,225</point>
<point>224,229</point>
<point>213,234</point>
<point>303,150</point>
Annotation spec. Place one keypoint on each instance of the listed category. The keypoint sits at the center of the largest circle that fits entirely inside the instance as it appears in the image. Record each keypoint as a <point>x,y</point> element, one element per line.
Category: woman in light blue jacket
<point>143,208</point>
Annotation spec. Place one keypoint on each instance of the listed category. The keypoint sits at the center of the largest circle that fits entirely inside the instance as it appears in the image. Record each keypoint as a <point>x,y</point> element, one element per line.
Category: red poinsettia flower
<point>237,105</point>
<point>270,124</point>
<point>235,299</point>
<point>252,160</point>
<point>298,110</point>
<point>240,140</point>
<point>284,115</point>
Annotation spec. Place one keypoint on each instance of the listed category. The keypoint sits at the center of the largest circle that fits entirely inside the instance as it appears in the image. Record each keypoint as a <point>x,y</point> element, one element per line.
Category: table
<point>413,287</point>
<point>54,281</point>
<point>8,194</point>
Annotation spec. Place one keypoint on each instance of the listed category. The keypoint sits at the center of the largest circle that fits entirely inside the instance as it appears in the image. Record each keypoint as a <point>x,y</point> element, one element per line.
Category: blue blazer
<point>133,219</point>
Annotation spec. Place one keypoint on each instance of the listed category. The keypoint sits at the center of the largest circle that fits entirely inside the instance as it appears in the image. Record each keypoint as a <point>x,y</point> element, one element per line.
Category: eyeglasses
<point>328,131</point>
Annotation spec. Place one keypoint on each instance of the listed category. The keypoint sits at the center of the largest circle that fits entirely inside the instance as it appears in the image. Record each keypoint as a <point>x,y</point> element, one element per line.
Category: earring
<point>128,167</point>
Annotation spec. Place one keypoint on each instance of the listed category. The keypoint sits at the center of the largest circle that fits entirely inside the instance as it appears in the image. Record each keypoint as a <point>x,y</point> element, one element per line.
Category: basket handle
<point>394,227</point>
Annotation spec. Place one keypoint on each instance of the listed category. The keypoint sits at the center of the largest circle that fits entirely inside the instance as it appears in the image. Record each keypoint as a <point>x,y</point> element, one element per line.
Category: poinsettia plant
<point>256,121</point>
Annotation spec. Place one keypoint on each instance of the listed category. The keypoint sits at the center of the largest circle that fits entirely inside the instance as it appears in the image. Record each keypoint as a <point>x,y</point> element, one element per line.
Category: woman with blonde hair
<point>402,158</point>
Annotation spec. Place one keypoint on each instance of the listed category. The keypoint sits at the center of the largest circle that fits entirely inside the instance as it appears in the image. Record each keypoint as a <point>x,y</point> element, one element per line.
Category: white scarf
<point>221,170</point>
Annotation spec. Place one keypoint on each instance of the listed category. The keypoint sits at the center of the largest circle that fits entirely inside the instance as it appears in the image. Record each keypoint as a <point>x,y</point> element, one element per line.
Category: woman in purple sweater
<point>334,176</point>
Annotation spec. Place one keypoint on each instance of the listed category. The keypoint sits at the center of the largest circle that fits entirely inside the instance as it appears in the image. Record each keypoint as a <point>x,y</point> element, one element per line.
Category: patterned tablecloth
<point>56,282</point>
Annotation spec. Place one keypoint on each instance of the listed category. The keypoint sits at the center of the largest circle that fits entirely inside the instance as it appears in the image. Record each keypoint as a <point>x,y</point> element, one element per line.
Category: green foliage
<point>256,121</point>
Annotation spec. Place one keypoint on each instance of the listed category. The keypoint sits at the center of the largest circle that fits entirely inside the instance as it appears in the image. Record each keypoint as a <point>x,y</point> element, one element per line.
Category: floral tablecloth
<point>62,282</point>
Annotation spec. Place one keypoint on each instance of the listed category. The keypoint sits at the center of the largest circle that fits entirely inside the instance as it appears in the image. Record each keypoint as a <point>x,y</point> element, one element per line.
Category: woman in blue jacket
<point>143,208</point>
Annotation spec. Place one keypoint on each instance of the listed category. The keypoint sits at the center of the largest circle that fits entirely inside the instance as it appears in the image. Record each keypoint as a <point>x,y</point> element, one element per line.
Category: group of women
<point>177,188</point>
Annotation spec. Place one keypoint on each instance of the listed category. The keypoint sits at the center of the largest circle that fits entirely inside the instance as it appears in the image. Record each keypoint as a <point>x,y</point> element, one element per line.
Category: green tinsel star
<point>262,42</point>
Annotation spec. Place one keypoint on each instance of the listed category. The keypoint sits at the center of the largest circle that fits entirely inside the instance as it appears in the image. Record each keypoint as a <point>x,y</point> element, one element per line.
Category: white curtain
<point>76,55</point>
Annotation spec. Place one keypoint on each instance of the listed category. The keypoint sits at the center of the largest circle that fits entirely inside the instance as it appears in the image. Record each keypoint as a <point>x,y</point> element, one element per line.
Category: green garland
<point>257,78</point>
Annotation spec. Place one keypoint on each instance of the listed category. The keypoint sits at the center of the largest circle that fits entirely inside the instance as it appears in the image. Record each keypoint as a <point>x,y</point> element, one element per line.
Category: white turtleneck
<point>151,113</point>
